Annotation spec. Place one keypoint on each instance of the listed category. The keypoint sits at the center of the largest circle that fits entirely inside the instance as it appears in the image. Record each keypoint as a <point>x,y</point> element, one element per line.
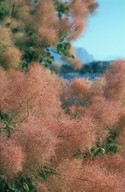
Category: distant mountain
<point>83,55</point>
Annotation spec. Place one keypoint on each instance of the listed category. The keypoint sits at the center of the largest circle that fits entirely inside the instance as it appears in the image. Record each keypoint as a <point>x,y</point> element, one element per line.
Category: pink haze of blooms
<point>45,133</point>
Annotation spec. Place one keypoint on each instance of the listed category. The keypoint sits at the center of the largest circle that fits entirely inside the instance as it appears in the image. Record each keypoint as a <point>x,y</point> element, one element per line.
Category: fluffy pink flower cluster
<point>42,132</point>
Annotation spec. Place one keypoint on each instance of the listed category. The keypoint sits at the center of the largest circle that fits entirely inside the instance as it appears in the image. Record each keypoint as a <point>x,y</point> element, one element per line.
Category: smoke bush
<point>77,144</point>
<point>56,136</point>
<point>88,177</point>
<point>11,158</point>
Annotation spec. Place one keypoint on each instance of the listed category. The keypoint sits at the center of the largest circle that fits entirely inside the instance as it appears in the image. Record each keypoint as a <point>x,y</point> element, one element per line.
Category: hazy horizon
<point>105,34</point>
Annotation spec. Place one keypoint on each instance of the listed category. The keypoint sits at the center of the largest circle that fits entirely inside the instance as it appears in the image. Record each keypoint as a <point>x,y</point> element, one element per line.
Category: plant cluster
<point>56,136</point>
<point>60,136</point>
<point>33,29</point>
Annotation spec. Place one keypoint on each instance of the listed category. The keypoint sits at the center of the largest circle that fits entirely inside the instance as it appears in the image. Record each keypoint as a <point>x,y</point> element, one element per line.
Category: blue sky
<point>105,34</point>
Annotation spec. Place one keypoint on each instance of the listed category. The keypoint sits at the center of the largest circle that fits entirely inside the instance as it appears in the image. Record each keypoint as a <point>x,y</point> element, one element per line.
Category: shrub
<point>55,149</point>
<point>56,135</point>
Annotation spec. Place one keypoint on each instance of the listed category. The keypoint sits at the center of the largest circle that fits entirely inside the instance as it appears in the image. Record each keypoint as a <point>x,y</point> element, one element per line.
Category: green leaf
<point>5,118</point>
<point>3,12</point>
<point>63,48</point>
<point>29,30</point>
<point>12,186</point>
<point>112,147</point>
<point>97,151</point>
<point>61,9</point>
<point>15,30</point>
<point>25,187</point>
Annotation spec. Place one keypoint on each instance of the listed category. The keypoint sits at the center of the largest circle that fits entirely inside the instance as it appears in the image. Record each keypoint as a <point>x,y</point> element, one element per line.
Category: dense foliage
<point>33,29</point>
<point>60,136</point>
<point>56,136</point>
